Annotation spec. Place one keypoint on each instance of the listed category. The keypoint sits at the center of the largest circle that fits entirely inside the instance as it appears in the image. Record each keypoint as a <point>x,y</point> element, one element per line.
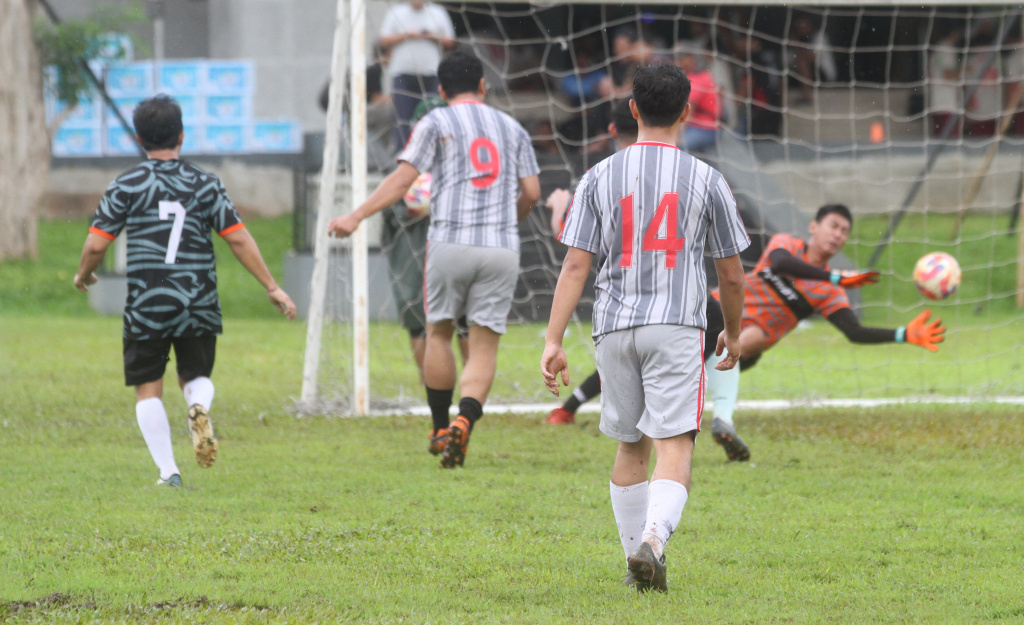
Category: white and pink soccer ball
<point>937,275</point>
<point>417,198</point>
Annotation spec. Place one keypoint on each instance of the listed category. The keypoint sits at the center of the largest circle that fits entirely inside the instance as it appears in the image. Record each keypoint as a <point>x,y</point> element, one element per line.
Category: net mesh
<point>911,116</point>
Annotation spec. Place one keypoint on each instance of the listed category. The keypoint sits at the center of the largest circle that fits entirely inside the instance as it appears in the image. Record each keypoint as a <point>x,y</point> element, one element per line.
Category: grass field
<point>908,514</point>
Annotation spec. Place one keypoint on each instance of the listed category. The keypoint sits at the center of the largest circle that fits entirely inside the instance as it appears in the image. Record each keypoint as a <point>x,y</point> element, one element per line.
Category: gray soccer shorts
<point>652,381</point>
<point>478,282</point>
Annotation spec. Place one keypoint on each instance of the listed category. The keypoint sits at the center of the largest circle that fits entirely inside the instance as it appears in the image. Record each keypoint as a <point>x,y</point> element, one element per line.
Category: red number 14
<point>671,244</point>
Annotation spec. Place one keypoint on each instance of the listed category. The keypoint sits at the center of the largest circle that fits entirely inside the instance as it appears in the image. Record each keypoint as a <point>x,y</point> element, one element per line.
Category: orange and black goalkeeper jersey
<point>776,302</point>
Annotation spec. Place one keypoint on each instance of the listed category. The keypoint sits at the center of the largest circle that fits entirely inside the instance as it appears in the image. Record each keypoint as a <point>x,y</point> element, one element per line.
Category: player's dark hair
<point>661,93</point>
<point>459,73</point>
<point>157,121</point>
<point>838,209</point>
<point>623,118</point>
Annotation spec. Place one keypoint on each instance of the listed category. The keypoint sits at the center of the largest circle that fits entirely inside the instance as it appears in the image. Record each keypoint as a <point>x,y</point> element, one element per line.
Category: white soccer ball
<point>417,198</point>
<point>937,275</point>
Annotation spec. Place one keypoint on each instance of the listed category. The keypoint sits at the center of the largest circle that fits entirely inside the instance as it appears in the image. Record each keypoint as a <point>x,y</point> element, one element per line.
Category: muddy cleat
<point>725,435</point>
<point>203,441</point>
<point>560,416</point>
<point>174,481</point>
<point>438,441</point>
<point>648,572</point>
<point>454,453</point>
<point>629,580</point>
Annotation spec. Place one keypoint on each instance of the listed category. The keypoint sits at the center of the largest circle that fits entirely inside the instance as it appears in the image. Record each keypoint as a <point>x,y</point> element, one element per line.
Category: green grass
<point>906,514</point>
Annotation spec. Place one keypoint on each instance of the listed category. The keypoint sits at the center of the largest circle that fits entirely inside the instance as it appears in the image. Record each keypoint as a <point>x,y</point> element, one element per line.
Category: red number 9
<point>489,168</point>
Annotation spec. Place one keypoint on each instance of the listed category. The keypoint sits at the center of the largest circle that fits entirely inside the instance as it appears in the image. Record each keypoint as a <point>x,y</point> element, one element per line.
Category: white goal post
<point>923,171</point>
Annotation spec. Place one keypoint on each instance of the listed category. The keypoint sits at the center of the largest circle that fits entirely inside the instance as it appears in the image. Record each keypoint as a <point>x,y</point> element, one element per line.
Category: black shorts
<point>146,360</point>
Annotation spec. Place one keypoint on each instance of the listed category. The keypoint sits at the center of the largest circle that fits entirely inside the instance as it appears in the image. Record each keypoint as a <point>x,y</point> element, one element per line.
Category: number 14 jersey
<point>168,210</point>
<point>477,155</point>
<point>649,212</point>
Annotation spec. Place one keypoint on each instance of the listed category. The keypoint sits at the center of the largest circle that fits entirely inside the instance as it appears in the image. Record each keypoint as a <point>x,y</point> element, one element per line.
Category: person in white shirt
<point>415,34</point>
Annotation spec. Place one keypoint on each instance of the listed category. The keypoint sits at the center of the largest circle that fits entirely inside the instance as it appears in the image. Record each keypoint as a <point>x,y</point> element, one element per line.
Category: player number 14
<point>671,244</point>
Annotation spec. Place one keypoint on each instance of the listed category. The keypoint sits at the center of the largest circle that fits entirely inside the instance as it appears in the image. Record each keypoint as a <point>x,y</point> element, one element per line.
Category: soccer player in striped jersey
<point>623,130</point>
<point>648,213</point>
<point>792,281</point>
<point>167,207</point>
<point>484,183</point>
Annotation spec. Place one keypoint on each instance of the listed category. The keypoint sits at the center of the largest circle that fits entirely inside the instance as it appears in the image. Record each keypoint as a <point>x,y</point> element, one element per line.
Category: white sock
<point>199,391</point>
<point>665,507</point>
<point>629,504</point>
<point>723,387</point>
<point>156,430</point>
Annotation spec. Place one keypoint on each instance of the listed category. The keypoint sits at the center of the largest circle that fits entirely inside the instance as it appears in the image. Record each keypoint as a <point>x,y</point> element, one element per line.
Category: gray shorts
<point>469,280</point>
<point>652,381</point>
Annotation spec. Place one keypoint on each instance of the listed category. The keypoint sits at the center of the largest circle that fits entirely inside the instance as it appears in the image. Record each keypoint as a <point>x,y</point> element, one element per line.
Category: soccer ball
<point>937,275</point>
<point>417,198</point>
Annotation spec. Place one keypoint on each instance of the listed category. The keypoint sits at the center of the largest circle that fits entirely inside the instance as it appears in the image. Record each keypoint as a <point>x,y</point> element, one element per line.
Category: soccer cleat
<point>454,453</point>
<point>174,480</point>
<point>560,416</point>
<point>725,435</point>
<point>629,580</point>
<point>438,441</point>
<point>203,441</point>
<point>647,571</point>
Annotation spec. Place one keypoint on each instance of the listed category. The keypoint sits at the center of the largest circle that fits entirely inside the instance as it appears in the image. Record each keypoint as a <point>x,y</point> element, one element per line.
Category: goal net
<point>910,115</point>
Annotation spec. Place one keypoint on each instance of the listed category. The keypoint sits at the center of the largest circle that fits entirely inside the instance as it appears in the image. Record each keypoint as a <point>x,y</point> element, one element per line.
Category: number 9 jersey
<point>477,155</point>
<point>167,210</point>
<point>649,212</point>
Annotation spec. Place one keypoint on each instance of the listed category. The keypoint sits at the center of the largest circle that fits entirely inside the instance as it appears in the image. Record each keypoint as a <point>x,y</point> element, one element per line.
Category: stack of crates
<point>216,99</point>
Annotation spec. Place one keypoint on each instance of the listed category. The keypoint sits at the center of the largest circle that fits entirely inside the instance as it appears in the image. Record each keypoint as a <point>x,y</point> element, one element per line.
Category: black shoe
<point>647,571</point>
<point>725,435</point>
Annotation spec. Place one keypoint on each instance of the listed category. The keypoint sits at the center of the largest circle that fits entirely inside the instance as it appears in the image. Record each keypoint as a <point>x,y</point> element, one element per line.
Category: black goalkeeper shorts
<point>146,360</point>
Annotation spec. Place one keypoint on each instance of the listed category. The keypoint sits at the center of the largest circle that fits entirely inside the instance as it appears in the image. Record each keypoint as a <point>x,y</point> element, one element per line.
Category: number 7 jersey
<point>168,210</point>
<point>477,155</point>
<point>649,212</point>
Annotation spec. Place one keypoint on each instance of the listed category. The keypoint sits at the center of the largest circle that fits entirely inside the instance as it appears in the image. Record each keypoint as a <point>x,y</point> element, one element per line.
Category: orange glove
<point>852,279</point>
<point>920,332</point>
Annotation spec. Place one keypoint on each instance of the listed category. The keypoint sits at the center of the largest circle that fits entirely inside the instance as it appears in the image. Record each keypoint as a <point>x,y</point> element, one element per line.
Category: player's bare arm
<point>732,287</point>
<point>575,269</point>
<point>390,190</point>
<point>244,247</point>
<point>93,251</point>
<point>529,195</point>
<point>558,202</point>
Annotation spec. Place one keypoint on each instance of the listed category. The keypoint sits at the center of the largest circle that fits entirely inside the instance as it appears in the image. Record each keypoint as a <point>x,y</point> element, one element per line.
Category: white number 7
<point>166,210</point>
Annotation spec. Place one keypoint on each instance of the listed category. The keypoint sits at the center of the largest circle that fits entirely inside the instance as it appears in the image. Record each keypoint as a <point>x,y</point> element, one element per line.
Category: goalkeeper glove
<point>920,332</point>
<point>852,279</point>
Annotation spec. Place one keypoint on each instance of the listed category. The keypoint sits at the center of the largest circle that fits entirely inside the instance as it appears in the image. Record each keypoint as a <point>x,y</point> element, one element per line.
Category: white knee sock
<point>199,391</point>
<point>724,387</point>
<point>156,430</point>
<point>665,507</point>
<point>629,504</point>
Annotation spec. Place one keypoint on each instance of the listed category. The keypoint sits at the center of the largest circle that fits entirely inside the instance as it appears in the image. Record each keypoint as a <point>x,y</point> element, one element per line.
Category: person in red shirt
<point>701,130</point>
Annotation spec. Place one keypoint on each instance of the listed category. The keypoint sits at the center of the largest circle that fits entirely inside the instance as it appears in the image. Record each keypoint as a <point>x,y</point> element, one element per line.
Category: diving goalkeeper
<point>792,281</point>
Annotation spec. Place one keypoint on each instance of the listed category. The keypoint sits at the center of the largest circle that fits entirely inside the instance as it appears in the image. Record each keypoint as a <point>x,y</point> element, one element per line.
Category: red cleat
<point>438,441</point>
<point>561,416</point>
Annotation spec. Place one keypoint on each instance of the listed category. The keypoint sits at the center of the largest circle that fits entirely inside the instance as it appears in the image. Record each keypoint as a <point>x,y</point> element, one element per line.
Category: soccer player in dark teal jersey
<point>167,208</point>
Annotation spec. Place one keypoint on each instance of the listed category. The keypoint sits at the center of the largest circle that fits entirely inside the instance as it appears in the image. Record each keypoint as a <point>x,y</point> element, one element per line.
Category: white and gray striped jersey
<point>477,155</point>
<point>648,212</point>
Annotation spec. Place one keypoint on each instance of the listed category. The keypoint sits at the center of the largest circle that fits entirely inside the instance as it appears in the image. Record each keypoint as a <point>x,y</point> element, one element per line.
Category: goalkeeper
<point>792,281</point>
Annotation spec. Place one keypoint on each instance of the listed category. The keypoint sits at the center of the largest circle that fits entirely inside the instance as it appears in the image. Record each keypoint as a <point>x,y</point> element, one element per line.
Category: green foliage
<point>70,44</point>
